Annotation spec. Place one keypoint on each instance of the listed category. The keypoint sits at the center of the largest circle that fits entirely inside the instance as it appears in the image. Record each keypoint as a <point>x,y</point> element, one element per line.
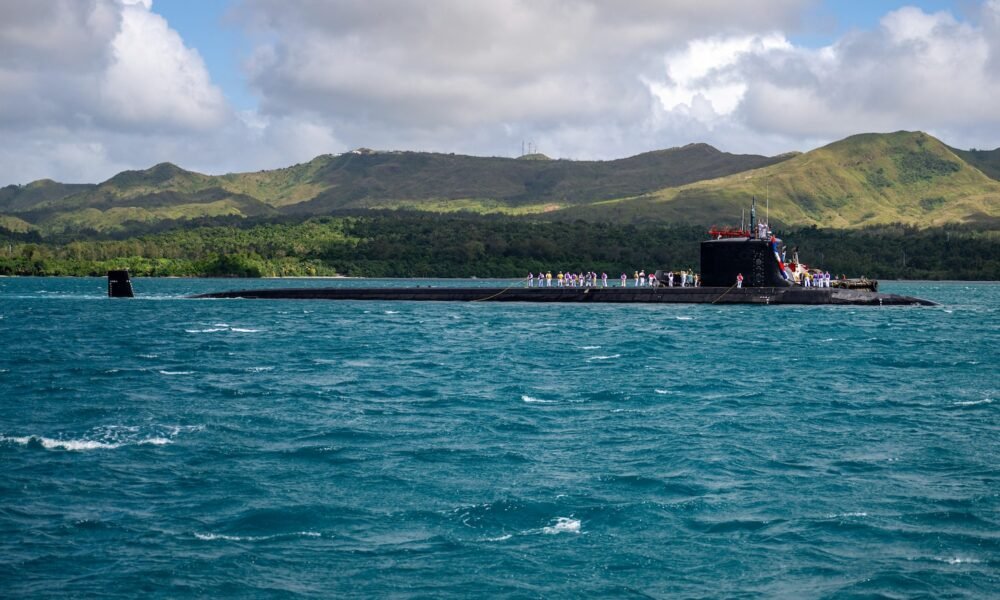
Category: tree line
<point>420,245</point>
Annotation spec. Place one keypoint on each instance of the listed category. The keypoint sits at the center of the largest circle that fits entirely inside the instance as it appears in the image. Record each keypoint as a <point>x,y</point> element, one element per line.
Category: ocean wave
<point>176,372</point>
<point>533,400</point>
<point>108,437</point>
<point>562,525</point>
<point>209,537</point>
<point>53,444</point>
<point>604,357</point>
<point>81,445</point>
<point>223,327</point>
<point>958,560</point>
<point>974,402</point>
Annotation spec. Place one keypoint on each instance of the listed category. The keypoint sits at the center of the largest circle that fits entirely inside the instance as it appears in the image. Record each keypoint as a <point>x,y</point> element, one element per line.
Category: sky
<point>89,88</point>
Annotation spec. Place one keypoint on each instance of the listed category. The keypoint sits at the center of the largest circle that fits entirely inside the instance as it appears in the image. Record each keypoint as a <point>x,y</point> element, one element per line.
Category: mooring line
<point>723,294</point>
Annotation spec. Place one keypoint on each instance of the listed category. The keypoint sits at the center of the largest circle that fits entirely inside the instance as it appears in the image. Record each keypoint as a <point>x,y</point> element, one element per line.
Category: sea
<point>167,447</point>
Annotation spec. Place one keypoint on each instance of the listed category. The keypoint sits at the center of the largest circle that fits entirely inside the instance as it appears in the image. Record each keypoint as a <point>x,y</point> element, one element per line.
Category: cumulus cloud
<point>153,79</point>
<point>915,71</point>
<point>95,86</point>
<point>480,76</point>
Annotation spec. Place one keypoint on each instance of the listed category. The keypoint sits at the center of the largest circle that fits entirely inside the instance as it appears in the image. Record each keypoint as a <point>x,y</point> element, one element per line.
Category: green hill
<point>867,179</point>
<point>364,179</point>
<point>16,198</point>
<point>443,182</point>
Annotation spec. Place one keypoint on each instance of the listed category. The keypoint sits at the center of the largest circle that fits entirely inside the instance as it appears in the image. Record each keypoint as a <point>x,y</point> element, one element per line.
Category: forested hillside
<point>406,245</point>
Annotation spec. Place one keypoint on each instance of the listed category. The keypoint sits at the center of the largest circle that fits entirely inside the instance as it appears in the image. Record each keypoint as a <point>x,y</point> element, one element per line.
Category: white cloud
<point>90,88</point>
<point>481,76</point>
<point>699,78</point>
<point>915,71</point>
<point>154,79</point>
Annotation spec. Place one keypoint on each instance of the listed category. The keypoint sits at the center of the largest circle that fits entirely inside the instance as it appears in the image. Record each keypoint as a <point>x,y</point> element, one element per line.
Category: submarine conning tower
<point>723,259</point>
<point>119,284</point>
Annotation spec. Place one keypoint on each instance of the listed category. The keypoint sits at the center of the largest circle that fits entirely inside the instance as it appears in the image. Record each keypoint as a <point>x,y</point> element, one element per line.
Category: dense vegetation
<point>413,244</point>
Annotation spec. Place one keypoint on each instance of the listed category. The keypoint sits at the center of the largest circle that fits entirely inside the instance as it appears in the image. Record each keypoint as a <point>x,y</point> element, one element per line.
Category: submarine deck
<point>679,295</point>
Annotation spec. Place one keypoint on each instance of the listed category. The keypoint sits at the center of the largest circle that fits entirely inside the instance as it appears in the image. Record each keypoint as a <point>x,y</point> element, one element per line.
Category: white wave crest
<point>563,525</point>
<point>81,445</point>
<point>176,372</point>
<point>254,538</point>
<point>662,391</point>
<point>209,330</point>
<point>533,400</point>
<point>259,369</point>
<point>589,347</point>
<point>975,402</point>
<point>243,330</point>
<point>605,357</point>
<point>684,318</point>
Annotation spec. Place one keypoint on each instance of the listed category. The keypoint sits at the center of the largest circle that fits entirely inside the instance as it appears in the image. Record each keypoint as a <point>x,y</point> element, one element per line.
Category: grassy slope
<point>15,198</point>
<point>280,187</point>
<point>862,180</point>
<point>164,191</point>
<point>491,184</point>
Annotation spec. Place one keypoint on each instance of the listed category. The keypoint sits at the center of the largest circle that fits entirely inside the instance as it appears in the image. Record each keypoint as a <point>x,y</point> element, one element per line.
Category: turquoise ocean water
<point>166,447</point>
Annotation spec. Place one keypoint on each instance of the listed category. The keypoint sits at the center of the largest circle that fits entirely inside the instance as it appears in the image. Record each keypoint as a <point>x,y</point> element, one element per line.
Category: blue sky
<point>93,88</point>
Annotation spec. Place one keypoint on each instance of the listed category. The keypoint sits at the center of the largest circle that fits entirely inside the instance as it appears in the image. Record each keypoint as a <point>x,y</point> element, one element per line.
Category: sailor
<point>604,279</point>
<point>531,280</point>
<point>624,279</point>
<point>652,280</point>
<point>548,279</point>
<point>642,278</point>
<point>635,275</point>
<point>739,280</point>
<point>684,278</point>
<point>670,279</point>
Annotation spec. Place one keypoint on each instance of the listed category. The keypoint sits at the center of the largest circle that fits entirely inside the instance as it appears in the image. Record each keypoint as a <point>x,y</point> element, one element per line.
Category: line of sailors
<point>591,279</point>
<point>807,279</point>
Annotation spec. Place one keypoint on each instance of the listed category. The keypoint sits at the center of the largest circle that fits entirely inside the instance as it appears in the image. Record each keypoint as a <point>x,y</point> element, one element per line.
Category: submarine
<point>723,259</point>
<point>738,266</point>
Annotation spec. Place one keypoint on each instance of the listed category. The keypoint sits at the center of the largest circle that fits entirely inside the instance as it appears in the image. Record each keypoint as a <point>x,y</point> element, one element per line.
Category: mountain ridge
<point>865,179</point>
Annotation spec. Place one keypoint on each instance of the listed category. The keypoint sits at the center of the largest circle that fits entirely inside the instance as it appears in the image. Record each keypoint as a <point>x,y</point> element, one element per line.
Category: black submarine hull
<point>626,295</point>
